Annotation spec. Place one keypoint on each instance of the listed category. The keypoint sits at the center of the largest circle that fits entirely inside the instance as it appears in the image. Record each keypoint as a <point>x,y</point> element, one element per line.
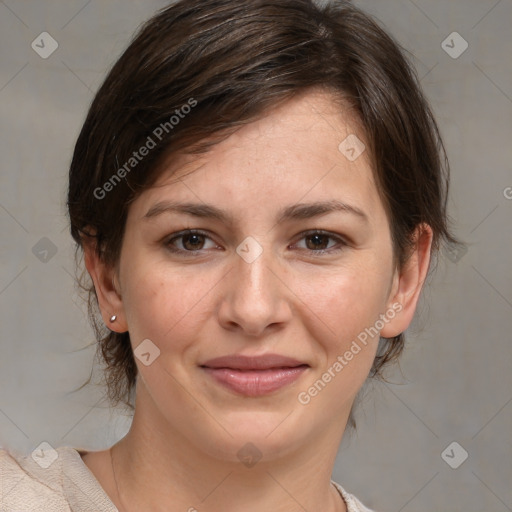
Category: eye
<point>318,241</point>
<point>191,241</point>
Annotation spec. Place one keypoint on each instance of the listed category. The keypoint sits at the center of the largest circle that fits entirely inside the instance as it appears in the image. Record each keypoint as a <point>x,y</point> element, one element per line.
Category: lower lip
<point>255,382</point>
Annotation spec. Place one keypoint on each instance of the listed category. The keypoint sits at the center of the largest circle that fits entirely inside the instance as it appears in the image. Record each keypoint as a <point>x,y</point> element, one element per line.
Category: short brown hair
<point>233,61</point>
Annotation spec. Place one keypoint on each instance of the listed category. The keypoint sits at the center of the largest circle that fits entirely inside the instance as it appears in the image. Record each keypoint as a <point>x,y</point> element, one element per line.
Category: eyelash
<point>341,243</point>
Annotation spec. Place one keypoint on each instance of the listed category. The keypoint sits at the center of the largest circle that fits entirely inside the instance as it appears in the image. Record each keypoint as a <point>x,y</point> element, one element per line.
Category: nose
<point>255,298</point>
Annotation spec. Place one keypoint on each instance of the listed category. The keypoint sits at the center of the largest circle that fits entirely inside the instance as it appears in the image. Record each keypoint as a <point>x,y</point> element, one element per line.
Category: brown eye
<point>189,242</point>
<point>193,242</point>
<point>320,242</point>
<point>317,241</point>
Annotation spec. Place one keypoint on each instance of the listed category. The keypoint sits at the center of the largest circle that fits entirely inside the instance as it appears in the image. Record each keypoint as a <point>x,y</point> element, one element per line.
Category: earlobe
<point>103,277</point>
<point>409,282</point>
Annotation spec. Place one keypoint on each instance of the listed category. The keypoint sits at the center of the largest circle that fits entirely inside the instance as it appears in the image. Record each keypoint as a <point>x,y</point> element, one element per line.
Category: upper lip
<point>263,362</point>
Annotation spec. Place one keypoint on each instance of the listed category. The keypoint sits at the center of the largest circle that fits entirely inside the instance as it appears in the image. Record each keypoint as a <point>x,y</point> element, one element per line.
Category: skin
<point>181,450</point>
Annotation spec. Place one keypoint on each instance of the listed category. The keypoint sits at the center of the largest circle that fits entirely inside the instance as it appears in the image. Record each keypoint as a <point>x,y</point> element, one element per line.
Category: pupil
<point>195,240</point>
<point>317,244</point>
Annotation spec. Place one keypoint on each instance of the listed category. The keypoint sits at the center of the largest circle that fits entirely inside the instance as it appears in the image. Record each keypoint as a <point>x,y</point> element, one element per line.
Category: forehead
<point>297,149</point>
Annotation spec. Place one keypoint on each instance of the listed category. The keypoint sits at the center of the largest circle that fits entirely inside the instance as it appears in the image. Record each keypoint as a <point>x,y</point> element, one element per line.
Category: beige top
<point>67,485</point>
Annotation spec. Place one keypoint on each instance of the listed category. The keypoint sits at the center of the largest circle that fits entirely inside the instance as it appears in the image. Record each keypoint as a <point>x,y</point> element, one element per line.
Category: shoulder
<point>28,486</point>
<point>353,504</point>
<point>49,479</point>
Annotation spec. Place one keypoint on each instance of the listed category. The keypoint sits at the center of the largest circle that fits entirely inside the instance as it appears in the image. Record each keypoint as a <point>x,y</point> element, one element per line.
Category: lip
<point>263,362</point>
<point>254,375</point>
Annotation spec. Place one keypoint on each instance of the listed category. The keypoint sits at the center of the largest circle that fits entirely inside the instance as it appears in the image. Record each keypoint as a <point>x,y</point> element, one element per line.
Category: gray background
<point>454,382</point>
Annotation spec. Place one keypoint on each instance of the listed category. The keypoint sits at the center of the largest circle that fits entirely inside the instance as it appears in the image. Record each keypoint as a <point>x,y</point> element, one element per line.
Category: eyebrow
<point>298,211</point>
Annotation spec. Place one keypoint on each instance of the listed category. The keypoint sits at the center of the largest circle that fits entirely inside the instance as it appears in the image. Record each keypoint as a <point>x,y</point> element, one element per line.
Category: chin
<point>267,434</point>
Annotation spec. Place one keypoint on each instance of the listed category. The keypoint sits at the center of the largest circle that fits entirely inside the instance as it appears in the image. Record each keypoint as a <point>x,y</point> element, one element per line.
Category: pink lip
<point>254,376</point>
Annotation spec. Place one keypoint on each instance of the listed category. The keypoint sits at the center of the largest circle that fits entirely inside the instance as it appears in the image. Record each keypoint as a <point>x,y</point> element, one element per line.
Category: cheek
<point>346,305</point>
<point>160,304</point>
<point>346,300</point>
<point>345,309</point>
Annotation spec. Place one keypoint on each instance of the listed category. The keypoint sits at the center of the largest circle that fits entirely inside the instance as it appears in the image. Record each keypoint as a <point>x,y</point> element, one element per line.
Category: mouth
<point>254,376</point>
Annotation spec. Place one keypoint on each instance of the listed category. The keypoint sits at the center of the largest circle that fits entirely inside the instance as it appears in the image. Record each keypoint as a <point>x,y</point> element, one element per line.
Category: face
<point>264,271</point>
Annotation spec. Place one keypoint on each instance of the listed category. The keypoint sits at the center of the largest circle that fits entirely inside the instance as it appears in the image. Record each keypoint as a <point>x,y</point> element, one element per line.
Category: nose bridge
<point>252,270</point>
<point>254,297</point>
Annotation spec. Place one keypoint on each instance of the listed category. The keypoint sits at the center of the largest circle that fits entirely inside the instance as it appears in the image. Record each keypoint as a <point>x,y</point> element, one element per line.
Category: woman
<point>257,191</point>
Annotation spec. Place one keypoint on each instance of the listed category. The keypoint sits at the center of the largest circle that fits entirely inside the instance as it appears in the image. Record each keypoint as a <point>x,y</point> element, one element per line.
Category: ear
<point>408,282</point>
<point>104,278</point>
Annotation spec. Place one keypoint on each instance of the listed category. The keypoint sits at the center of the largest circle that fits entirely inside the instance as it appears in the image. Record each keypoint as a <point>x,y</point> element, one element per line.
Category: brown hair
<point>198,70</point>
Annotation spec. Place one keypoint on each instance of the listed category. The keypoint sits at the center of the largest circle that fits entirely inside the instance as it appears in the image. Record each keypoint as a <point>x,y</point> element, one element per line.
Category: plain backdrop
<point>454,383</point>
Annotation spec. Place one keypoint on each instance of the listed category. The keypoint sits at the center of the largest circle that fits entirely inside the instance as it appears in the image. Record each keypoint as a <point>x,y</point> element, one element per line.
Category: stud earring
<point>113,318</point>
